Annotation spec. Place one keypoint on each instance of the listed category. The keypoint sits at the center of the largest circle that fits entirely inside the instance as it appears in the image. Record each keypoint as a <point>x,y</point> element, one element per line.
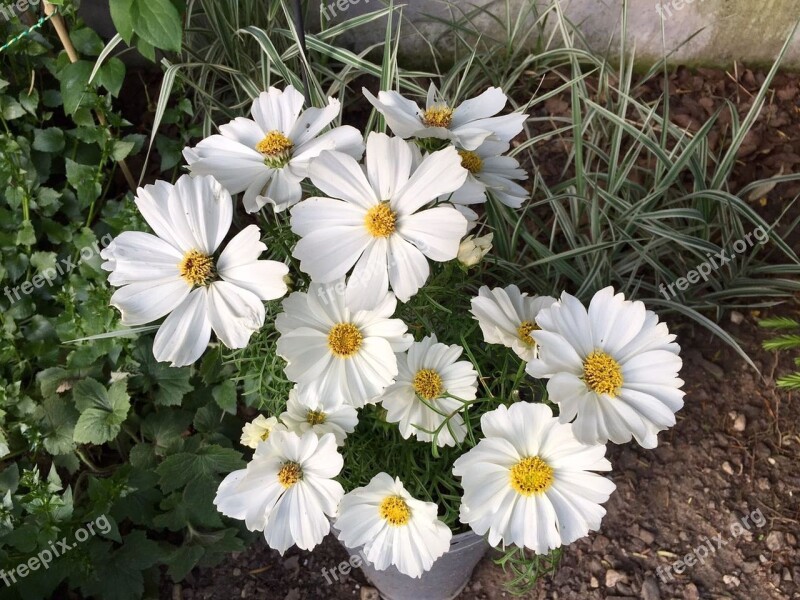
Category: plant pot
<point>446,579</point>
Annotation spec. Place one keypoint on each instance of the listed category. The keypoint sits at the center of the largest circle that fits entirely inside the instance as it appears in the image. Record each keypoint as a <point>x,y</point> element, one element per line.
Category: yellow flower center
<point>380,220</point>
<point>602,373</point>
<point>315,417</point>
<point>276,149</point>
<point>196,268</point>
<point>395,511</point>
<point>470,161</point>
<point>428,384</point>
<point>531,476</point>
<point>438,116</point>
<point>289,474</point>
<point>524,332</point>
<point>344,340</point>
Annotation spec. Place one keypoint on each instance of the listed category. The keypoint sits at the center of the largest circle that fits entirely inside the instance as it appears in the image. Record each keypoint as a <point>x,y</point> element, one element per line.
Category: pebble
<point>593,582</point>
<point>726,466</point>
<point>369,593</point>
<point>614,577</point>
<point>236,572</point>
<point>731,580</point>
<point>650,589</point>
<point>690,592</point>
<point>750,567</point>
<point>791,539</point>
<point>774,540</point>
<point>647,537</point>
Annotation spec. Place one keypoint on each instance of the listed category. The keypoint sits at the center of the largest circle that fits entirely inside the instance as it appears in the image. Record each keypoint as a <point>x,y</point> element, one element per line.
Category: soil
<point>725,478</point>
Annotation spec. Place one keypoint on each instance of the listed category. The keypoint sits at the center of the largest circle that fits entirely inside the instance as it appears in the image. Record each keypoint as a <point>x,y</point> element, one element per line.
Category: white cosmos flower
<point>306,410</point>
<point>178,272</point>
<point>613,369</point>
<point>426,373</point>
<point>259,430</point>
<point>287,490</point>
<point>268,156</point>
<point>508,317</point>
<point>468,124</point>
<point>490,171</point>
<point>528,482</point>
<point>394,528</point>
<point>345,349</point>
<point>473,249</point>
<point>374,221</point>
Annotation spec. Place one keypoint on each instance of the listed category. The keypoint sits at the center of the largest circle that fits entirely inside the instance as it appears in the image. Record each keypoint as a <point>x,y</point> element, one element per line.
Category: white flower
<point>178,273</point>
<point>268,156</point>
<point>394,528</point>
<point>614,369</point>
<point>473,249</point>
<point>259,430</point>
<point>508,317</point>
<point>346,351</point>
<point>306,410</point>
<point>287,490</point>
<point>428,372</point>
<point>468,124</point>
<point>528,482</point>
<point>490,171</point>
<point>374,221</point>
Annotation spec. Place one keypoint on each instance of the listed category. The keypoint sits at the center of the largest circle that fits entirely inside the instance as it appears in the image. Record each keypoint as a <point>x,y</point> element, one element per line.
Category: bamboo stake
<point>63,34</point>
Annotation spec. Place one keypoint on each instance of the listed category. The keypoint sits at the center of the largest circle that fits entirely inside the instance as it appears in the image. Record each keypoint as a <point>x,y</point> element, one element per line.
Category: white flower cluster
<point>366,243</point>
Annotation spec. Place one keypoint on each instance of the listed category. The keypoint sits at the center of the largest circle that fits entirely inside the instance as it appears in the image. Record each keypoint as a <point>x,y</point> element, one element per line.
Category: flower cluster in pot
<point>367,242</point>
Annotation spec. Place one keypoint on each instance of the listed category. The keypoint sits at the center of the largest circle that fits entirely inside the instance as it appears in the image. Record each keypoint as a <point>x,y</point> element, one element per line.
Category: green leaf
<point>169,384</point>
<point>48,140</point>
<point>58,420</point>
<point>118,573</point>
<point>11,109</point>
<point>74,78</point>
<point>82,178</point>
<point>122,17</point>
<point>208,462</point>
<point>26,235</point>
<point>111,76</point>
<point>225,396</point>
<point>121,149</point>
<point>158,23</point>
<point>86,41</point>
<point>183,560</point>
<point>102,412</point>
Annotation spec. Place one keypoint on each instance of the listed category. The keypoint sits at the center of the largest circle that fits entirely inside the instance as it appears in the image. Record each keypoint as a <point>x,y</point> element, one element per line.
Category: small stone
<point>369,593</point>
<point>731,580</point>
<point>690,592</point>
<point>647,536</point>
<point>614,577</point>
<point>739,423</point>
<point>726,466</point>
<point>237,571</point>
<point>650,589</point>
<point>764,560</point>
<point>791,540</point>
<point>749,567</point>
<point>477,586</point>
<point>787,575</point>
<point>736,317</point>
<point>774,540</point>
<point>294,594</point>
<point>593,582</point>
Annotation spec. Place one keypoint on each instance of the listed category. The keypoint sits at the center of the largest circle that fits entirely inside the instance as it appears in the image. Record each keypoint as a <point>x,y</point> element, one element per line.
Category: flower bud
<point>472,249</point>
